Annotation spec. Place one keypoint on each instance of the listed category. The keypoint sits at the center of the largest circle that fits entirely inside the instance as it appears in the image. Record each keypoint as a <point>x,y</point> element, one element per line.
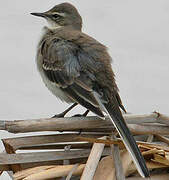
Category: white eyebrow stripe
<point>60,14</point>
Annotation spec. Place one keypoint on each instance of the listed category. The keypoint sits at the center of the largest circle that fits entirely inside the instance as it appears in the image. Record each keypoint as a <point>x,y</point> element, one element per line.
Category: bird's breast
<point>49,84</point>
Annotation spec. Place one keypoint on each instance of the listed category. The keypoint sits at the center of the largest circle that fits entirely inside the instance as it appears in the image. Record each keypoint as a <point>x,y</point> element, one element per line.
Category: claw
<point>81,115</point>
<point>61,115</point>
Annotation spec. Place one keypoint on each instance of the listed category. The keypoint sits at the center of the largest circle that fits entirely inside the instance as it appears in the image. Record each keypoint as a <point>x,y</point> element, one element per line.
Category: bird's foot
<point>78,115</point>
<point>81,115</point>
<point>61,115</point>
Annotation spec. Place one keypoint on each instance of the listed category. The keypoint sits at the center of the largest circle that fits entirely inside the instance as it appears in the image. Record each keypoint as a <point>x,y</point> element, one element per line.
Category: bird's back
<point>84,53</point>
<point>95,51</point>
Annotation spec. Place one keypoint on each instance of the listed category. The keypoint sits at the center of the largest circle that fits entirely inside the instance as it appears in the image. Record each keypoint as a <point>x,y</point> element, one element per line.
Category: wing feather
<point>65,65</point>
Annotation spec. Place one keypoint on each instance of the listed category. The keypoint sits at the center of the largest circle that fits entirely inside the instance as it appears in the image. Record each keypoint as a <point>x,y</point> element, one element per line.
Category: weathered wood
<point>58,162</point>
<point>31,141</point>
<point>78,123</point>
<point>120,143</point>
<point>9,149</point>
<point>93,160</point>
<point>150,165</point>
<point>149,129</point>
<point>47,172</point>
<point>162,138</point>
<point>92,128</point>
<point>150,138</point>
<point>45,163</point>
<point>4,168</point>
<point>24,173</point>
<point>52,124</point>
<point>20,158</point>
<point>58,146</point>
<point>117,161</point>
<point>126,160</point>
<point>40,157</point>
<point>105,169</point>
<point>153,177</point>
<point>74,168</point>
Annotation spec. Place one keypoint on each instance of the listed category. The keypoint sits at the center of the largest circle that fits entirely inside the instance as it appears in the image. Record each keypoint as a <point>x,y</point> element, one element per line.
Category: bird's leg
<point>85,113</point>
<point>61,115</point>
<point>82,115</point>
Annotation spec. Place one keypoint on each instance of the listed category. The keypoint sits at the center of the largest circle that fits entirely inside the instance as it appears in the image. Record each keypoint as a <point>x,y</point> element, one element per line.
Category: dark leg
<point>81,115</point>
<point>65,112</point>
<point>84,114</point>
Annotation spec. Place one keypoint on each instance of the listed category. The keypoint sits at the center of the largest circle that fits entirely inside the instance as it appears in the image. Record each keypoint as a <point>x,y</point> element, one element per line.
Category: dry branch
<point>46,140</point>
<point>20,158</point>
<point>105,169</point>
<point>48,164</point>
<point>120,143</point>
<point>88,123</point>
<point>24,173</point>
<point>153,177</point>
<point>162,138</point>
<point>72,172</point>
<point>48,172</point>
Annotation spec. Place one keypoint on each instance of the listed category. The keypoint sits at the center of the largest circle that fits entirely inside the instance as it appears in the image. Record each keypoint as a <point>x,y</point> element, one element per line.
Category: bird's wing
<point>62,66</point>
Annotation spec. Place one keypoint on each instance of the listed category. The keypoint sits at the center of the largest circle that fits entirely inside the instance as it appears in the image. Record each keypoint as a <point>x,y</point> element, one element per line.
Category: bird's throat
<point>53,25</point>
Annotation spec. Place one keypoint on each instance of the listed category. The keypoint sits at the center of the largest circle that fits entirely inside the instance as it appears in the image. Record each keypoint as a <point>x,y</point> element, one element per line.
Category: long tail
<point>118,121</point>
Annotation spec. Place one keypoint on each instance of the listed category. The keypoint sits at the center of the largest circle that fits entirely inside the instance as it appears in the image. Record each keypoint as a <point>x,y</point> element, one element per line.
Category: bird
<point>77,69</point>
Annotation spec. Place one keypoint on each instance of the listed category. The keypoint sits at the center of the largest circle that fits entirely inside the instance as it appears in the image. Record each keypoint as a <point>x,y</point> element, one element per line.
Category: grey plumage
<point>77,68</point>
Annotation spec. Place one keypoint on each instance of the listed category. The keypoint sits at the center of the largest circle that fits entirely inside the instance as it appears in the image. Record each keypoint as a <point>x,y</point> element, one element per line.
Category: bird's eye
<point>56,16</point>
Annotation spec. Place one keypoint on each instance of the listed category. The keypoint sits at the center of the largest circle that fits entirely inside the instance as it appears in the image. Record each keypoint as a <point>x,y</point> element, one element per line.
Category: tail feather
<point>129,141</point>
<point>118,121</point>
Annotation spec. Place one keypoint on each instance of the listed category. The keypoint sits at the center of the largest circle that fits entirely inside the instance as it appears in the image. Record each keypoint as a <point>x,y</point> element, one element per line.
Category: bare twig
<point>149,129</point>
<point>93,161</point>
<point>153,177</point>
<point>120,143</point>
<point>49,173</point>
<point>29,142</point>
<point>72,171</point>
<point>21,158</point>
<point>162,138</point>
<point>88,123</point>
<point>150,138</point>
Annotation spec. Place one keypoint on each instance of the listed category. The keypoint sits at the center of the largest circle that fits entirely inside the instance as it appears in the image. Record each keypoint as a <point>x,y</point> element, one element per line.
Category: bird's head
<point>61,15</point>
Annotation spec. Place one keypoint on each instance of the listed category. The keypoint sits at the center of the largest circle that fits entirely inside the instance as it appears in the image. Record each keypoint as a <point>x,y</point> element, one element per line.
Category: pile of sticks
<point>96,153</point>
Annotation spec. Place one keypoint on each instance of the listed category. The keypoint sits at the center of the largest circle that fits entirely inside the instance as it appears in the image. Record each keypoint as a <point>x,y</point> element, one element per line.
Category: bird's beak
<point>44,15</point>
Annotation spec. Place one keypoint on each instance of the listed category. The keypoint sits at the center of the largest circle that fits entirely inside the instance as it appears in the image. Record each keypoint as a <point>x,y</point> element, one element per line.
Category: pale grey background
<point>136,32</point>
